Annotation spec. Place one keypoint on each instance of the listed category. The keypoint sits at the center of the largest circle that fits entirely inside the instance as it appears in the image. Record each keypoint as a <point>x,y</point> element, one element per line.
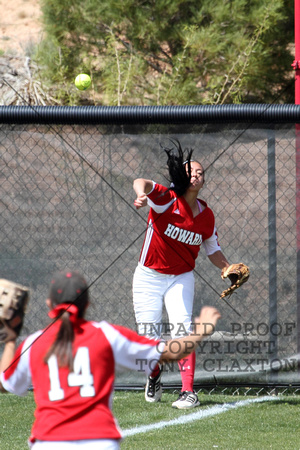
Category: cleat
<point>153,391</point>
<point>186,400</point>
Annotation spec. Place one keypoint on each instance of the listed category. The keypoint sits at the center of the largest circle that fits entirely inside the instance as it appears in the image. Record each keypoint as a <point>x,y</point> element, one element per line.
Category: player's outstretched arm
<point>204,325</point>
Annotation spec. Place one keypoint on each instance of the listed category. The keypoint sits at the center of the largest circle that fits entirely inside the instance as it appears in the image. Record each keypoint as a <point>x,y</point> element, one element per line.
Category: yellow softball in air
<point>83,81</point>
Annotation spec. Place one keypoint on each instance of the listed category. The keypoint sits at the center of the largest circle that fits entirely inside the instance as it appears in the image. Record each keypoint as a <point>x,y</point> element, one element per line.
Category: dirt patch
<point>20,26</point>
<point>20,31</point>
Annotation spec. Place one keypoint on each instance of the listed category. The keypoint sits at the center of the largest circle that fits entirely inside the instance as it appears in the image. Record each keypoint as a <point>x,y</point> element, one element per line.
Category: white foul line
<point>202,414</point>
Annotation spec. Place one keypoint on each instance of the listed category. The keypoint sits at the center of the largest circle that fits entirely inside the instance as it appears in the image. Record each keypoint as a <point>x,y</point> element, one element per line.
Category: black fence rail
<point>250,113</point>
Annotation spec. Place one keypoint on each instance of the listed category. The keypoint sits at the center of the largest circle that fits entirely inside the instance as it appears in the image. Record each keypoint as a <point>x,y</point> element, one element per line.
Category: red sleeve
<point>160,195</point>
<point>132,351</point>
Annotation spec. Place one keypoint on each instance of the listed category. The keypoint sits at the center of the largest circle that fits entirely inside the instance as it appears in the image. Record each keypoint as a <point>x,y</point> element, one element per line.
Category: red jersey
<point>173,238</point>
<point>77,405</point>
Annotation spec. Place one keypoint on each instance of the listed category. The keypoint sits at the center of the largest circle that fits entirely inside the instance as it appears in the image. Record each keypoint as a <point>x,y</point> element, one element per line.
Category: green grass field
<point>263,425</point>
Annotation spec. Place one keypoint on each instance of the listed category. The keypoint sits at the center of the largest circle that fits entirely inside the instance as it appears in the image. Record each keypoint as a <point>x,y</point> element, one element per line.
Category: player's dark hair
<point>70,290</point>
<point>177,159</point>
<point>62,346</point>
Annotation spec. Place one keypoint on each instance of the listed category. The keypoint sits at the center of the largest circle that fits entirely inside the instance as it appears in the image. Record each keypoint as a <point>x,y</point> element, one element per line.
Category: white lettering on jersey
<point>189,240</point>
<point>169,229</point>
<point>182,235</point>
<point>197,240</point>
<point>80,377</point>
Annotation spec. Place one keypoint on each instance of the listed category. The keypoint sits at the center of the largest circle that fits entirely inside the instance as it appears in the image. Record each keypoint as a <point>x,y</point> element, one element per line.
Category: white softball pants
<point>150,290</point>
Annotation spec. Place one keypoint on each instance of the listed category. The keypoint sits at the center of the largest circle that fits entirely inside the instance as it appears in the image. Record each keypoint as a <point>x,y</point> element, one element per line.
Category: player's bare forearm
<point>142,187</point>
<point>204,325</point>
<point>7,357</point>
<point>218,260</point>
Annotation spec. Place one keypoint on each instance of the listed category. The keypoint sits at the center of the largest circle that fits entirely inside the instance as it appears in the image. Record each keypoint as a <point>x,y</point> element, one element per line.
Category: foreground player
<point>71,365</point>
<point>178,224</point>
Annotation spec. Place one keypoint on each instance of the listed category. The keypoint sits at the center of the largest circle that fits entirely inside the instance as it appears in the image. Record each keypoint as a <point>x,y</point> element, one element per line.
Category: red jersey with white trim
<point>173,237</point>
<point>77,405</point>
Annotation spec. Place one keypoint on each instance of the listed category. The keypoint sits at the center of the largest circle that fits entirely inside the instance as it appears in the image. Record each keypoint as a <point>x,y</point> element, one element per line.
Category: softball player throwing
<point>71,365</point>
<point>178,224</point>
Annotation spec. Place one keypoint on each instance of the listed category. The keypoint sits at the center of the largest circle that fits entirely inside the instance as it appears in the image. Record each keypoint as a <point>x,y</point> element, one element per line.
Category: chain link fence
<point>67,202</point>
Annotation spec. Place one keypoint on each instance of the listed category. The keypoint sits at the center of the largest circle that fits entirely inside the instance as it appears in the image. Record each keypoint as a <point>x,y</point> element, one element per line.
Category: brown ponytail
<point>62,346</point>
